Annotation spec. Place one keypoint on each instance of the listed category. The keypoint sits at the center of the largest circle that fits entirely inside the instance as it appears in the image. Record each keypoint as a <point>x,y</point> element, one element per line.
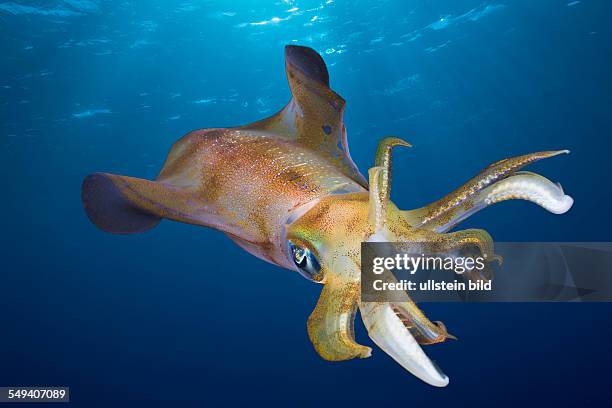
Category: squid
<point>286,190</point>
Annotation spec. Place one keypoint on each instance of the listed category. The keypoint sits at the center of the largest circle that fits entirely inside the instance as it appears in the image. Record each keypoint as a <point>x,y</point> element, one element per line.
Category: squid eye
<point>307,263</point>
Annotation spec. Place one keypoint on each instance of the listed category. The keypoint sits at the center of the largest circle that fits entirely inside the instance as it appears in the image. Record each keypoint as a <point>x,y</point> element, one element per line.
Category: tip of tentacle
<point>383,151</point>
<point>549,153</point>
<point>497,258</point>
<point>450,336</point>
<point>445,334</point>
<point>366,353</point>
<point>401,142</point>
<point>563,205</point>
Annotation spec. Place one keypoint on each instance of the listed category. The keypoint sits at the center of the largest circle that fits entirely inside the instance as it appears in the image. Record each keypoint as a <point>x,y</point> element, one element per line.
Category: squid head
<point>325,243</point>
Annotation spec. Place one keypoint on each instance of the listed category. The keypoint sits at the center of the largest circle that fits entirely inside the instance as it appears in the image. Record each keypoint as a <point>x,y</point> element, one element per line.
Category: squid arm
<point>499,182</point>
<point>331,324</point>
<point>398,327</point>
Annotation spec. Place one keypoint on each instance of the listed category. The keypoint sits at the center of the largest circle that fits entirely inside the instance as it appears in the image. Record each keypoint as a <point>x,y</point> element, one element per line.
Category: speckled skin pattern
<point>251,183</point>
<point>290,179</point>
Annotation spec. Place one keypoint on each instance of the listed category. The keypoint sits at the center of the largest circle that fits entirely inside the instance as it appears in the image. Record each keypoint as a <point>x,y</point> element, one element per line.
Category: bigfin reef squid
<point>307,208</point>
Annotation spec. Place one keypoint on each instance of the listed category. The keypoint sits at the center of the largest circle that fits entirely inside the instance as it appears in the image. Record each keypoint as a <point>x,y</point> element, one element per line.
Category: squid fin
<point>314,116</point>
<point>110,208</point>
<point>126,205</point>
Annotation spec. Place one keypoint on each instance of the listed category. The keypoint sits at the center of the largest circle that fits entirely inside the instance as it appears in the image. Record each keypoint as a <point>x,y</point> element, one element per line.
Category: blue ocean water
<point>180,316</point>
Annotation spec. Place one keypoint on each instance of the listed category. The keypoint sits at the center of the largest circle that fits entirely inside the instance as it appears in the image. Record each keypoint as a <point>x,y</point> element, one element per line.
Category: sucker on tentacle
<point>306,207</point>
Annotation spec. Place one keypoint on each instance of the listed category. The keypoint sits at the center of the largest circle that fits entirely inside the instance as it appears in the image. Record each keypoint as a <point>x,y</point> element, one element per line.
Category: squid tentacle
<point>477,237</point>
<point>390,333</point>
<point>422,329</point>
<point>528,186</point>
<point>520,186</point>
<point>445,213</point>
<point>380,181</point>
<point>331,324</point>
<point>377,211</point>
<point>383,160</point>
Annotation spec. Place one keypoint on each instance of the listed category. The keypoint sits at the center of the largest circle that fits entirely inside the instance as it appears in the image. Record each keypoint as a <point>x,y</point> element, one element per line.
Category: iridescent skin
<point>289,180</point>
